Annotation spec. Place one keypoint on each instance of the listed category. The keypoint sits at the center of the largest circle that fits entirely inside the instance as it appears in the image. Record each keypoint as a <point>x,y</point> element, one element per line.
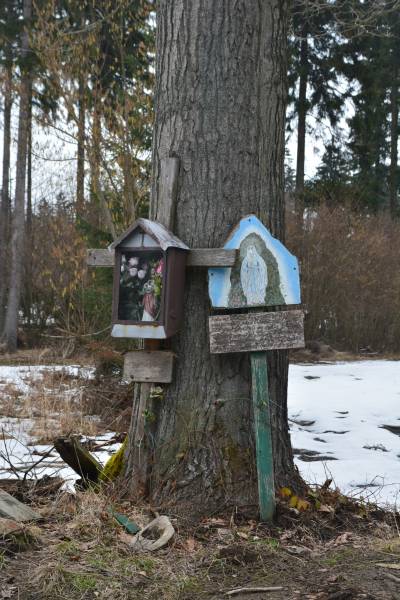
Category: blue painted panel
<point>266,273</point>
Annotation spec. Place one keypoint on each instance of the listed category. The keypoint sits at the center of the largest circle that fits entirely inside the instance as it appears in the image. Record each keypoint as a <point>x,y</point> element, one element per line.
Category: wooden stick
<point>253,590</point>
<point>392,577</point>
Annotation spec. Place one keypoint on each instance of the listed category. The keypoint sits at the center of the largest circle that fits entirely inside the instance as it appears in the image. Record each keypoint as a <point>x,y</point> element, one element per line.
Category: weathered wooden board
<point>256,331</point>
<point>11,508</point>
<point>265,273</point>
<point>143,366</point>
<point>211,257</point>
<point>98,257</point>
<point>198,257</point>
<point>164,211</point>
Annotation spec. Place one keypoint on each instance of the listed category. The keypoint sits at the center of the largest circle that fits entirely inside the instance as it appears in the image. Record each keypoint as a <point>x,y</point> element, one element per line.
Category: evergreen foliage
<point>91,64</point>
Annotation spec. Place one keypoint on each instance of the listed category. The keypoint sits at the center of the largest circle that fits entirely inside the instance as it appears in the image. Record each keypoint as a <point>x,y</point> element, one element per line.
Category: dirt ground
<point>344,551</point>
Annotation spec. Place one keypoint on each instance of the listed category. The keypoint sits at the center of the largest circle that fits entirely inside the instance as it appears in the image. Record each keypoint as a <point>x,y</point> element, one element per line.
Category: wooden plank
<point>198,257</point>
<point>100,258</point>
<point>256,331</point>
<point>11,508</point>
<point>143,366</point>
<point>262,426</point>
<point>211,257</point>
<point>167,186</point>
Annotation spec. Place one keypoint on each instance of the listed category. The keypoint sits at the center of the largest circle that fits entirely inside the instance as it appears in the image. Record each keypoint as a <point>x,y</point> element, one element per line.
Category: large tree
<point>220,108</point>
<point>9,35</point>
<point>18,220</point>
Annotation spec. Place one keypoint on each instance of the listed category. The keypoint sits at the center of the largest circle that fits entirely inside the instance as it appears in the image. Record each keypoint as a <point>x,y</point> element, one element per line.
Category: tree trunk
<point>394,138</point>
<point>80,167</point>
<point>100,207</point>
<point>301,125</point>
<point>5,197</point>
<point>29,217</point>
<point>220,108</point>
<point>18,221</point>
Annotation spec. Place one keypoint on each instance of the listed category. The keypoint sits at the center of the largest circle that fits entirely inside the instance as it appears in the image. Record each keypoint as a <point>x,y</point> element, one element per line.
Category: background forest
<point>76,82</point>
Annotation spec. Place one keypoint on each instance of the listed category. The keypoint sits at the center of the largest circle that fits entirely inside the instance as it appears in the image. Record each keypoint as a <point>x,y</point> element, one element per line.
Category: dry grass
<point>56,354</point>
<point>55,403</point>
<point>83,556</point>
<point>350,279</point>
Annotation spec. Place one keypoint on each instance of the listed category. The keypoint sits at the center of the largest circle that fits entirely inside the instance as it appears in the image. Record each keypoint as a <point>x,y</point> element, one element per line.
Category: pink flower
<point>160,267</point>
<point>133,272</point>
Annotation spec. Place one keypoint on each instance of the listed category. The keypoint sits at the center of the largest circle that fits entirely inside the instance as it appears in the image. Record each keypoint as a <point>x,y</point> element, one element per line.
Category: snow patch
<point>339,410</point>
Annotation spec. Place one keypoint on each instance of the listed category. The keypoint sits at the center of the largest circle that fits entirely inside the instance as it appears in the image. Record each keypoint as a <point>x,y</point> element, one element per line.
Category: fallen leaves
<point>190,544</point>
<point>295,501</point>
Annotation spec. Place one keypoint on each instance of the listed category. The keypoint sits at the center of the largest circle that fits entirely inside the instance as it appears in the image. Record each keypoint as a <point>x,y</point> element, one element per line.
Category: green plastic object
<point>129,526</point>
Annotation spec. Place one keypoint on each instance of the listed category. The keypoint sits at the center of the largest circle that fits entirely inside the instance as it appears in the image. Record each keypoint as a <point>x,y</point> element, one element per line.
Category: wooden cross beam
<point>198,257</point>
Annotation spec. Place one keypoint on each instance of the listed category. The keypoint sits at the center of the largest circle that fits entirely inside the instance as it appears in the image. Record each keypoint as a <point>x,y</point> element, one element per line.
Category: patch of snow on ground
<point>337,411</point>
<point>18,450</point>
<point>19,376</point>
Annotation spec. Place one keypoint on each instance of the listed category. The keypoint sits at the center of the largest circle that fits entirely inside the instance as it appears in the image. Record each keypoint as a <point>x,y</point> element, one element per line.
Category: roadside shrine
<point>251,279</point>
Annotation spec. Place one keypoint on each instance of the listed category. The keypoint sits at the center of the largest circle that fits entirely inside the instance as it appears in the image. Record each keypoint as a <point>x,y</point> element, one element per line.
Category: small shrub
<point>350,278</point>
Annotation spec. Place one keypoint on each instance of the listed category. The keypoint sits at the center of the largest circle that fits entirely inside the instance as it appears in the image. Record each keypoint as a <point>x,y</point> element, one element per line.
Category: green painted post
<point>262,426</point>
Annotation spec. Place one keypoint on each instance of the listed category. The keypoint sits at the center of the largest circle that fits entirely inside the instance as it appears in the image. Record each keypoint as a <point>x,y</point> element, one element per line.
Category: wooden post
<point>138,456</point>
<point>262,426</point>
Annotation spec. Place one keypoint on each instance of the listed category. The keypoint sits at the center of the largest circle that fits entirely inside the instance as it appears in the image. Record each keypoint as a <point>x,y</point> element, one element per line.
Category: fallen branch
<point>392,577</point>
<point>77,336</point>
<point>253,590</point>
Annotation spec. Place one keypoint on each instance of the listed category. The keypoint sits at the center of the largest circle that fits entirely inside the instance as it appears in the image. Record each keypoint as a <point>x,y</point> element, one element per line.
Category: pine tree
<point>18,220</point>
<point>313,76</point>
<point>9,35</point>
<point>371,53</point>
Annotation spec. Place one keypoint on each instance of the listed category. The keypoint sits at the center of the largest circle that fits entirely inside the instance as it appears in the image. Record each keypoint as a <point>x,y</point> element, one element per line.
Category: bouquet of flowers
<point>140,287</point>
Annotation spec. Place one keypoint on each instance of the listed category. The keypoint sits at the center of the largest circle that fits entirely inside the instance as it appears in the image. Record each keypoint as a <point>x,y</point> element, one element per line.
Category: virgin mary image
<point>149,302</point>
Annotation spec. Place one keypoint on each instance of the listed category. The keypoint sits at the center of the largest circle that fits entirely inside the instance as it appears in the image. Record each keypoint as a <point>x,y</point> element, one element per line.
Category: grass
<point>55,404</point>
<point>83,556</point>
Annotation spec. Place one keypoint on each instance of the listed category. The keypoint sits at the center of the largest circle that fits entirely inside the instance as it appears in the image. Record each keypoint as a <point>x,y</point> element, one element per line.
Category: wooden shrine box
<point>149,276</point>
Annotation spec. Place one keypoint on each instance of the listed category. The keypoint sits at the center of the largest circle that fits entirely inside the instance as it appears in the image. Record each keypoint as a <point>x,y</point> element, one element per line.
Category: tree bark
<point>394,138</point>
<point>18,221</point>
<point>220,108</point>
<point>5,197</point>
<point>80,166</point>
<point>301,125</point>
<point>98,197</point>
<point>29,218</point>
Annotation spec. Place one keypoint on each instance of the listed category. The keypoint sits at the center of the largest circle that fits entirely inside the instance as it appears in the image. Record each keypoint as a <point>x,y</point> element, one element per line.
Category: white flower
<point>134,261</point>
<point>123,259</point>
<point>141,274</point>
<point>133,272</point>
